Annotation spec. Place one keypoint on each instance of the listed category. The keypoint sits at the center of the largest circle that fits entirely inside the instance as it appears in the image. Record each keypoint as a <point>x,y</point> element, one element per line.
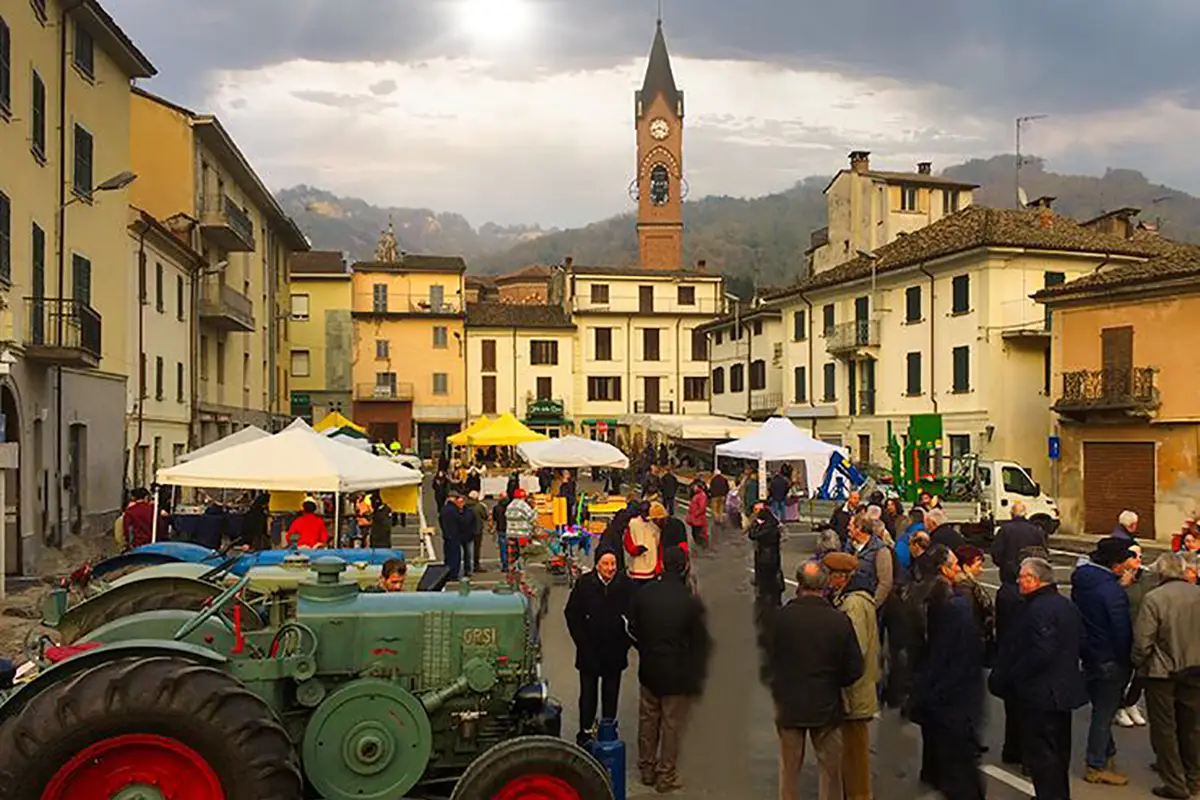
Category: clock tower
<point>659,186</point>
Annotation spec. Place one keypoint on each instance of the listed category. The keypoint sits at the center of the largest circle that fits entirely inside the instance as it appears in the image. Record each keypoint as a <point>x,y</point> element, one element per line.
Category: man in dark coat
<point>595,616</point>
<point>669,486</point>
<point>764,531</point>
<point>813,655</point>
<point>381,522</point>
<point>1039,669</point>
<point>457,528</point>
<point>1014,542</point>
<point>667,624</point>
<point>614,533</point>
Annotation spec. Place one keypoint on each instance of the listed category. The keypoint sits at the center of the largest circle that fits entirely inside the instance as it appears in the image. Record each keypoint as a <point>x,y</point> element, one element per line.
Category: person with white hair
<point>1127,525</point>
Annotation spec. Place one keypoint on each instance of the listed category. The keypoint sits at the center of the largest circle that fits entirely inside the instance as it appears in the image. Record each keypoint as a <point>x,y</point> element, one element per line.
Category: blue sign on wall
<point>1055,446</point>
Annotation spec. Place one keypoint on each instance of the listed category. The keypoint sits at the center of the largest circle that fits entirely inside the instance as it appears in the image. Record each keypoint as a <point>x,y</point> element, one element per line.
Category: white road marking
<point>1008,779</point>
<point>788,581</point>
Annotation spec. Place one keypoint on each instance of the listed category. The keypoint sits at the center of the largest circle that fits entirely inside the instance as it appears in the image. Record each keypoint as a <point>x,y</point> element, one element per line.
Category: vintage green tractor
<point>340,695</point>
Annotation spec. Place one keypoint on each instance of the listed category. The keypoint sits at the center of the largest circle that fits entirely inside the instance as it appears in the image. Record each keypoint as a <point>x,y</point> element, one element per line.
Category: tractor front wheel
<point>163,726</point>
<point>534,768</point>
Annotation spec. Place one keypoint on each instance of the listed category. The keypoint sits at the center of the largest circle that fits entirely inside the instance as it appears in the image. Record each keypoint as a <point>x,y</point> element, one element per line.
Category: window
<point>864,448</point>
<point>1053,279</point>
<point>543,352</point>
<point>383,349</point>
<point>39,8</point>
<point>758,375</point>
<point>799,326</point>
<point>441,337</point>
<point>912,304</point>
<point>179,382</point>
<point>800,384</point>
<point>437,298</point>
<point>600,294</point>
<point>1017,482</point>
<point>488,355</point>
<point>203,358</point>
<point>737,378</point>
<point>604,348</point>
<point>5,69</point>
<point>177,451</point>
<point>645,299</point>
<point>81,279</point>
<point>699,346</point>
<point>141,376</point>
<point>159,299</point>
<point>385,384</point>
<point>300,306</point>
<point>650,350</point>
<point>545,388</point>
<point>758,327</point>
<point>83,162</point>
<point>961,294</point>
<point>717,337</point>
<point>908,198</point>
<point>830,381</point>
<point>489,394</point>
<point>39,267</point>
<point>735,333</point>
<point>687,295</point>
<point>84,54</point>
<point>695,389</point>
<point>912,384</point>
<point>828,319</point>
<point>441,383</point>
<point>604,389</point>
<point>718,380</point>
<point>962,369</point>
<point>5,238</point>
<point>158,378</point>
<point>379,298</point>
<point>37,119</point>
<point>949,201</point>
<point>180,297</point>
<point>960,446</point>
<point>301,367</point>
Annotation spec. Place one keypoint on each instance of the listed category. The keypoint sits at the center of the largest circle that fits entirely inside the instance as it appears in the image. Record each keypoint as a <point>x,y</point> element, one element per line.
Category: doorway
<point>12,484</point>
<point>652,394</point>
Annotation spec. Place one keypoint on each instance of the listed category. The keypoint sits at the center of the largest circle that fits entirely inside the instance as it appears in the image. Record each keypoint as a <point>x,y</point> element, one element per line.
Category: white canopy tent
<point>247,434</point>
<point>779,440</point>
<point>695,426</point>
<point>572,451</point>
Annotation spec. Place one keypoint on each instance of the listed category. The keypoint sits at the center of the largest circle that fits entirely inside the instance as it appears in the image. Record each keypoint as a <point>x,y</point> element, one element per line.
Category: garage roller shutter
<point>1117,476</point>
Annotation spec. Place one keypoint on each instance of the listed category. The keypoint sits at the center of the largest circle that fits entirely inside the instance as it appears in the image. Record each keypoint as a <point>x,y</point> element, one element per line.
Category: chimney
<point>924,167</point>
<point>567,262</point>
<point>1045,201</point>
<point>860,161</point>
<point>1045,217</point>
<point>701,264</point>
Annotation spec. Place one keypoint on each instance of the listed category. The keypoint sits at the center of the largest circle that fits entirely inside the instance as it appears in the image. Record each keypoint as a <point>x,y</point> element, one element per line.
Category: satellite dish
<point>1022,197</point>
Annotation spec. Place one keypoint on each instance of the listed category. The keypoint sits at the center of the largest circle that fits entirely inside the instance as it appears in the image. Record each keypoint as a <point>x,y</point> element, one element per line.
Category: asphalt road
<point>730,750</point>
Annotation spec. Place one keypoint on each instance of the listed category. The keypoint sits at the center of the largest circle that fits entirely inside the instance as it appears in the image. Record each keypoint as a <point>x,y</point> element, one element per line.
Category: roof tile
<point>1182,261</point>
<point>517,315</point>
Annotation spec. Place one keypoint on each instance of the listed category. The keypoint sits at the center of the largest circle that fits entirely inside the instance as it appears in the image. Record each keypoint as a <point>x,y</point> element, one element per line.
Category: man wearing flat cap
<point>1107,650</point>
<point>861,700</point>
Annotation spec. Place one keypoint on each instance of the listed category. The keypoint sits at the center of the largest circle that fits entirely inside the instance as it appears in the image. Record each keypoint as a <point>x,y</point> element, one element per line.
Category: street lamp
<point>873,257</point>
<point>116,182</point>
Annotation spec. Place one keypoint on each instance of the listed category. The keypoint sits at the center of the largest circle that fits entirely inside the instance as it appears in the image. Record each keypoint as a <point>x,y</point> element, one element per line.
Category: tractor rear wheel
<point>534,768</point>
<point>165,726</point>
<point>95,614</point>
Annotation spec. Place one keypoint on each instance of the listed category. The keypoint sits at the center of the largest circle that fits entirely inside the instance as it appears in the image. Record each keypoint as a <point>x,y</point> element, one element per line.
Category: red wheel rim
<point>161,764</point>
<point>537,787</point>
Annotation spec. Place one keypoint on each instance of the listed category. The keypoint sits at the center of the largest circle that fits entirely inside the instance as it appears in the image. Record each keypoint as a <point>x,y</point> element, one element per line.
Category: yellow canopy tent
<point>463,436</point>
<point>334,419</point>
<point>507,430</point>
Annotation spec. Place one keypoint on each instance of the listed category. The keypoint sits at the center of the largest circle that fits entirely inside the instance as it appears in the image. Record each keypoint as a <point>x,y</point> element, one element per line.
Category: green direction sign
<point>545,409</point>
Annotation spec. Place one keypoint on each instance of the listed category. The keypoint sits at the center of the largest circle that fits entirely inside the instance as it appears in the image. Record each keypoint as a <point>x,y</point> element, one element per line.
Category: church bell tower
<point>659,186</point>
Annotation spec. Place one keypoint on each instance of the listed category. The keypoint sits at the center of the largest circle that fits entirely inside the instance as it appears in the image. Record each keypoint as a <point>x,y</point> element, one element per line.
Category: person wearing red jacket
<point>308,530</point>
<point>697,516</point>
<point>642,542</point>
<point>139,519</point>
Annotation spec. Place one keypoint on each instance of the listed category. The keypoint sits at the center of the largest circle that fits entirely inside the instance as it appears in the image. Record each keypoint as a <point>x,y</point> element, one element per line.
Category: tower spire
<point>659,76</point>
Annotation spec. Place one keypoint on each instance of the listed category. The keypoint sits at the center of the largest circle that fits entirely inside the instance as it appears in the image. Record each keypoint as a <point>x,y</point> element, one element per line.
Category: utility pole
<point>1021,121</point>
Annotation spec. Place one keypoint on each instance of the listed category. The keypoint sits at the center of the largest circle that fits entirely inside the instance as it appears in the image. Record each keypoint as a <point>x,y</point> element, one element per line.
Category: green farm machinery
<point>915,463</point>
<point>311,688</point>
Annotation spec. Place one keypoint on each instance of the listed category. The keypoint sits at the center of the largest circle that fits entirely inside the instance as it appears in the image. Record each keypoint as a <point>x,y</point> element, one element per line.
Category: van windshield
<point>1017,482</point>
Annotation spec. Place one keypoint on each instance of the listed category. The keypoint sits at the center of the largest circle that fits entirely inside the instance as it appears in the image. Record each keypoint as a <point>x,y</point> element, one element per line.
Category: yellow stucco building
<point>1124,393</point>
<point>196,180</point>
<point>64,136</point>
<point>322,335</point>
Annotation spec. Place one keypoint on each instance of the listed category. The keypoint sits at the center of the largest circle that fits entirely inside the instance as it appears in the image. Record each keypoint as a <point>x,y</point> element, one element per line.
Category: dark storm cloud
<point>1006,55</point>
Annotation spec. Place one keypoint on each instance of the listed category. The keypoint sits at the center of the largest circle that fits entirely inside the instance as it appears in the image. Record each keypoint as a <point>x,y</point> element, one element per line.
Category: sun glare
<point>495,21</point>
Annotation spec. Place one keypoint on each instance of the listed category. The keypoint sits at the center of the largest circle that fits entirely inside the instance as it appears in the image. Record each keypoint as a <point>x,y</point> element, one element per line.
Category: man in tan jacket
<point>861,699</point>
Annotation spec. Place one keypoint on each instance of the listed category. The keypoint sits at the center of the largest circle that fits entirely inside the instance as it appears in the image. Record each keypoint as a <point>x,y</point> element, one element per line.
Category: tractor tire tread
<point>523,755</point>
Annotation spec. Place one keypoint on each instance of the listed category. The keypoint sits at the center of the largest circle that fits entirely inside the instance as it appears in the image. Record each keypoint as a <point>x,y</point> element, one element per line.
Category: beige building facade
<point>746,379</point>
<point>321,335</point>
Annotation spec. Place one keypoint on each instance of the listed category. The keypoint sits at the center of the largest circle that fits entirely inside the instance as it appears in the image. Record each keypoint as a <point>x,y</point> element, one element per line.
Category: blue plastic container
<point>609,750</point>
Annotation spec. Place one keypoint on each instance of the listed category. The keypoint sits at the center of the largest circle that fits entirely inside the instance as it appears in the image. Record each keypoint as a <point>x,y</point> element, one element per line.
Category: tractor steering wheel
<point>214,608</point>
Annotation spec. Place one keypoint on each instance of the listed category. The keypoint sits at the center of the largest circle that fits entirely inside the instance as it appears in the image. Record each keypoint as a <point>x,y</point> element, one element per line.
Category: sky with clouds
<point>527,116</point>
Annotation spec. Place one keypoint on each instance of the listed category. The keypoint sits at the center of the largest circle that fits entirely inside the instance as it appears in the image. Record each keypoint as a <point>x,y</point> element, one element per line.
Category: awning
<point>335,419</point>
<point>463,436</point>
<point>505,431</point>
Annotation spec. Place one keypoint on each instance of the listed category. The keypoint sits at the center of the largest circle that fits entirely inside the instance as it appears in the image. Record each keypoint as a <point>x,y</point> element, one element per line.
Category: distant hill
<point>757,241</point>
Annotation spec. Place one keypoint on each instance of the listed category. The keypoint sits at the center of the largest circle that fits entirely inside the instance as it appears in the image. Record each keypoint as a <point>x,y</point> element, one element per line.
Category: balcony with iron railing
<point>62,331</point>
<point>1124,390</point>
<point>227,225</point>
<point>762,402</point>
<point>653,407</point>
<point>849,338</point>
<point>372,303</point>
<point>224,307</point>
<point>383,392</point>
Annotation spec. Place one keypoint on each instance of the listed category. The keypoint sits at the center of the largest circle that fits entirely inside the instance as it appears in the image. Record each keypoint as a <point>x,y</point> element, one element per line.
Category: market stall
<point>506,431</point>
<point>247,434</point>
<point>570,452</point>
<point>462,438</point>
<point>336,421</point>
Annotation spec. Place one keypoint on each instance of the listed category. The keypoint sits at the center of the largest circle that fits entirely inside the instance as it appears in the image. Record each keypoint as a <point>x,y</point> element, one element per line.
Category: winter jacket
<point>669,486</point>
<point>718,486</point>
<point>595,616</point>
<point>813,656</point>
<point>768,563</point>
<point>1039,662</point>
<point>139,523</point>
<point>874,572</point>
<point>949,535</point>
<point>861,701</point>
<point>1104,607</point>
<point>749,494</point>
<point>381,525</point>
<point>950,686</point>
<point>456,523</point>
<point>1012,544</point>
<point>519,518</point>
<point>777,489</point>
<point>672,533</point>
<point>667,624</point>
<point>903,554</point>
<point>477,518</point>
<point>613,537</point>
<point>500,516</point>
<point>697,514</point>
<point>1166,635</point>
<point>1121,533</point>
<point>642,533</point>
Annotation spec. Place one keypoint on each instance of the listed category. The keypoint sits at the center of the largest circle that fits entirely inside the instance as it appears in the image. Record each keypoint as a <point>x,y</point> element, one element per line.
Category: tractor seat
<point>61,653</point>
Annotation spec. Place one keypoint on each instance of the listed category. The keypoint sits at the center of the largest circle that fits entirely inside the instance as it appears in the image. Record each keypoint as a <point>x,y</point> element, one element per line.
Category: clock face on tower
<point>659,128</point>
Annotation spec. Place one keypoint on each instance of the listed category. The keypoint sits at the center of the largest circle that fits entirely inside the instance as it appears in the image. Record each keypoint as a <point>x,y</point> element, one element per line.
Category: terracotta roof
<point>979,226</point>
<point>917,177</point>
<point>410,262</point>
<point>1182,261</point>
<point>766,310</point>
<point>516,315</point>
<point>529,273</point>
<point>642,272</point>
<point>318,262</point>
<point>659,77</point>
<point>480,281</point>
